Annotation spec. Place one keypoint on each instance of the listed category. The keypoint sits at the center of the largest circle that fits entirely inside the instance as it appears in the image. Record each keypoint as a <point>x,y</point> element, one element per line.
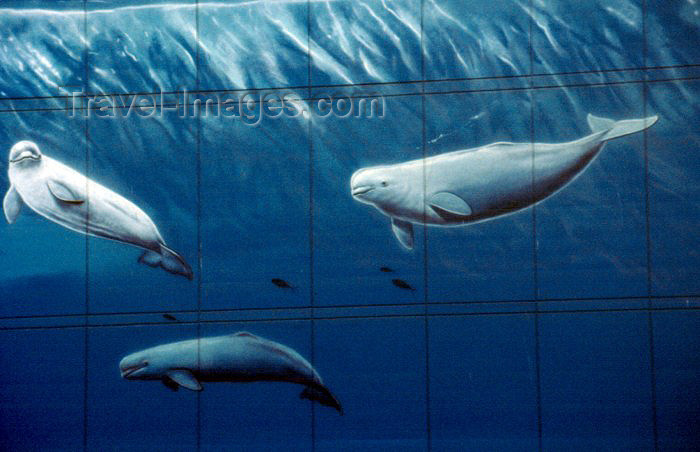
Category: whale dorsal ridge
<point>246,334</point>
<point>12,204</point>
<point>497,146</point>
<point>403,230</point>
<point>185,378</point>
<point>501,144</point>
<point>449,206</point>
<point>63,192</point>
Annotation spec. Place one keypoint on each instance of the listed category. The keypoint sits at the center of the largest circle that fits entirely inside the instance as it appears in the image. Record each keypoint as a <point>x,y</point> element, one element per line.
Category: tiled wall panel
<point>567,325</point>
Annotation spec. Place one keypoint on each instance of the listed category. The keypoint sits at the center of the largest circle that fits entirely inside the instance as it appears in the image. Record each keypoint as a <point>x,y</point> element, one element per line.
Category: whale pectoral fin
<point>150,258</point>
<point>184,378</point>
<point>12,204</point>
<point>170,384</point>
<point>403,230</point>
<point>65,193</point>
<point>449,206</point>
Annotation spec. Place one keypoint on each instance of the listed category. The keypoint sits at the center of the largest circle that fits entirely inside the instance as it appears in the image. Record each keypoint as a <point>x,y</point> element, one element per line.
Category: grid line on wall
<point>534,248</point>
<point>358,317</point>
<point>426,287</point>
<point>311,155</point>
<point>198,149</point>
<point>413,94</point>
<point>494,303</point>
<point>368,84</point>
<point>647,228</point>
<point>86,332</point>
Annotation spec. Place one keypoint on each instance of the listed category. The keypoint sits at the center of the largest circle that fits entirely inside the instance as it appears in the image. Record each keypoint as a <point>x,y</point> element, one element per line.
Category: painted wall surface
<point>236,127</point>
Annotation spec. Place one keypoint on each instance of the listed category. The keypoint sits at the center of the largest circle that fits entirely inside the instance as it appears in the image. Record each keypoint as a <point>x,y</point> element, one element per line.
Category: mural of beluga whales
<point>237,358</point>
<point>64,196</point>
<point>479,184</point>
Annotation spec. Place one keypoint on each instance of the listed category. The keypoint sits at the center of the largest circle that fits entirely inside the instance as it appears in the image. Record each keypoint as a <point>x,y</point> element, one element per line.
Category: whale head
<point>141,366</point>
<point>25,153</point>
<point>380,186</point>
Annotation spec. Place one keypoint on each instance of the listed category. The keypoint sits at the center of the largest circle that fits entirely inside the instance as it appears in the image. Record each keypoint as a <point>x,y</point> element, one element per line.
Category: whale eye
<point>384,184</point>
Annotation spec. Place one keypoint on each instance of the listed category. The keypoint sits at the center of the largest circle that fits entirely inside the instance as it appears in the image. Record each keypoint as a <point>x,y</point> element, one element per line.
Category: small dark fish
<point>386,270</point>
<point>400,283</point>
<point>281,283</point>
<point>169,317</point>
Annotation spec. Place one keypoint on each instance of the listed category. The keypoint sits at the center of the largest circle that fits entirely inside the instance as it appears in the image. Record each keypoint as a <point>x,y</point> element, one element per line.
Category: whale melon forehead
<point>370,173</point>
<point>131,358</point>
<point>24,145</point>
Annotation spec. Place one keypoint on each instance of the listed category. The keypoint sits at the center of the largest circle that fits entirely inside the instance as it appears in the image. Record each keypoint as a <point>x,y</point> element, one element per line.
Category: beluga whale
<point>468,186</point>
<point>64,196</point>
<point>238,358</point>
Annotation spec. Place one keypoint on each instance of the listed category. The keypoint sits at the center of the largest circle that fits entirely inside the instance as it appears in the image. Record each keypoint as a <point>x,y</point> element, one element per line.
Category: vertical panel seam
<point>426,323</point>
<point>309,132</point>
<point>198,132</point>
<point>535,264</point>
<point>86,74</point>
<point>647,213</point>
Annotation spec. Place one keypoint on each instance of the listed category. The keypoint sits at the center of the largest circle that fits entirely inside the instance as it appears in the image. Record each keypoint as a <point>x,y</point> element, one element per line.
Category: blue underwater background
<point>570,325</point>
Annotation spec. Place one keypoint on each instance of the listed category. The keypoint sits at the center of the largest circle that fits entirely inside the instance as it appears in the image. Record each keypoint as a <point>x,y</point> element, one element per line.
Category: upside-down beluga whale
<point>241,357</point>
<point>64,196</point>
<point>479,184</point>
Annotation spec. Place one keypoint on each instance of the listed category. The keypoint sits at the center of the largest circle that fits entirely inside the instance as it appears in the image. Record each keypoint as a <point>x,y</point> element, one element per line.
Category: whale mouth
<point>131,369</point>
<point>25,156</point>
<point>361,190</point>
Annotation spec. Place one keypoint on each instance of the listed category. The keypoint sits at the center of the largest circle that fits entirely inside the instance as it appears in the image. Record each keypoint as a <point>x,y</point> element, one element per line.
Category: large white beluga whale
<point>64,196</point>
<point>237,358</point>
<point>479,184</point>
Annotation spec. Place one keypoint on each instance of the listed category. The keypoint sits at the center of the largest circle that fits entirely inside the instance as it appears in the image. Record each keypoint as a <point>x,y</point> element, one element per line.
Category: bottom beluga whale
<point>239,358</point>
<point>472,185</point>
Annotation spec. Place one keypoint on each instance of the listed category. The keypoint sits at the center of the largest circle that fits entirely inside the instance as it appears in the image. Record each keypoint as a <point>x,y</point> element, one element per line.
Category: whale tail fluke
<point>169,260</point>
<point>322,395</point>
<point>616,129</point>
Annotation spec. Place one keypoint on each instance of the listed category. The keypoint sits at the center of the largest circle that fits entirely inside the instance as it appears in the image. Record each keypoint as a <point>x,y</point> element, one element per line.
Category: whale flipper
<point>12,204</point>
<point>170,384</point>
<point>167,259</point>
<point>403,230</point>
<point>184,378</point>
<point>66,193</point>
<point>449,206</point>
<point>616,129</point>
<point>322,395</point>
